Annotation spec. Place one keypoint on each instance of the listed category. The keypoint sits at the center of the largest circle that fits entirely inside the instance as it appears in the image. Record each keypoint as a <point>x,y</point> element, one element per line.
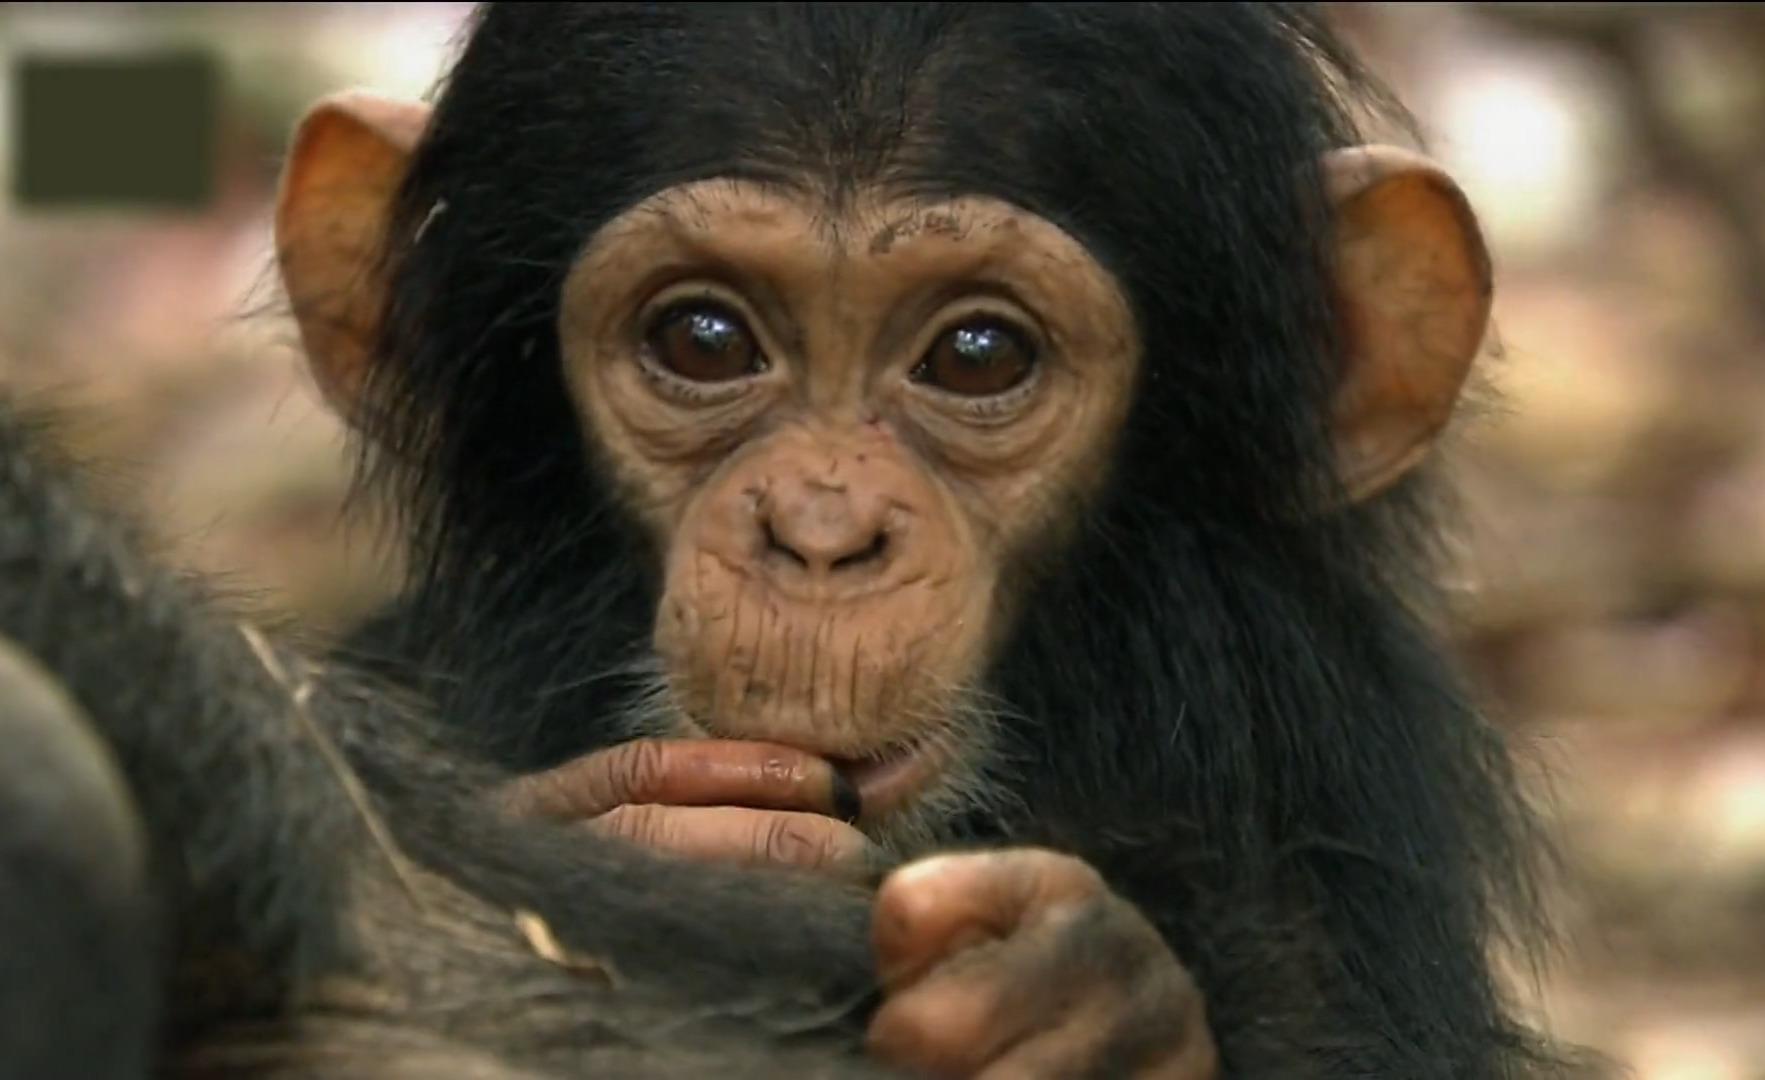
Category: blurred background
<point>1610,568</point>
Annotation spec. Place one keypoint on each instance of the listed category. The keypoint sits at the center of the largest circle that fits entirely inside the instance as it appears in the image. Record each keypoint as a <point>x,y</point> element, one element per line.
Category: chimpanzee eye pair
<point>706,342</point>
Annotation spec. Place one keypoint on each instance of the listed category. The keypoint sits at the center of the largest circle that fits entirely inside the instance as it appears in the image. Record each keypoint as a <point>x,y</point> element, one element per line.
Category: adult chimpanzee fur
<point>1222,693</point>
<point>320,890</point>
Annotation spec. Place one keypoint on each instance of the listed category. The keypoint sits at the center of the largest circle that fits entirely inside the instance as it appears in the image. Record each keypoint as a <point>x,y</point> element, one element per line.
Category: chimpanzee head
<point>877,379</point>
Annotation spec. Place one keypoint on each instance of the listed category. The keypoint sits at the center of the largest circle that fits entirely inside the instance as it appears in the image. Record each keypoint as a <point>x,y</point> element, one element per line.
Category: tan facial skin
<point>897,502</point>
<point>1015,963</point>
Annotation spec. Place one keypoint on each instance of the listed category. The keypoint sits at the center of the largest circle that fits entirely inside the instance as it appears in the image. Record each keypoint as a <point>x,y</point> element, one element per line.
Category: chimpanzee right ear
<point>348,158</point>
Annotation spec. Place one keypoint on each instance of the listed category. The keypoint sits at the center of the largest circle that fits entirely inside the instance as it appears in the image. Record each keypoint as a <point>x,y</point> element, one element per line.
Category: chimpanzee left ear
<point>1413,291</point>
<point>349,155</point>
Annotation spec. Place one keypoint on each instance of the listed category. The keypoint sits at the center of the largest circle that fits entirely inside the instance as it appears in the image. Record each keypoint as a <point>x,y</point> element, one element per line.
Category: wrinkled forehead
<point>741,219</point>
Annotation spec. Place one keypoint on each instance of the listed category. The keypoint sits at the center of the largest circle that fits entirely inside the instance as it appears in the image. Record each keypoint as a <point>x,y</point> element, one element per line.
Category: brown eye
<point>705,343</point>
<point>979,359</point>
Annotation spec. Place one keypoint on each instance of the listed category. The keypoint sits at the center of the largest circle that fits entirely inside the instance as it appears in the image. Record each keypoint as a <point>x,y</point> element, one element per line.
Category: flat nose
<point>821,530</point>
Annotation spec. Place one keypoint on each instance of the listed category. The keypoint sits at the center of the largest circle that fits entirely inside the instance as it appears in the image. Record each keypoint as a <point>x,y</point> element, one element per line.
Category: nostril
<point>807,554</point>
<point>777,546</point>
<point>873,551</point>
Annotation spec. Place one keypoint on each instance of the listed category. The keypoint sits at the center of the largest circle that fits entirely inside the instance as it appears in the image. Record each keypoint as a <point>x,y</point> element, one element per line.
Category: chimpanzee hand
<point>1024,964</point>
<point>708,798</point>
<point>999,964</point>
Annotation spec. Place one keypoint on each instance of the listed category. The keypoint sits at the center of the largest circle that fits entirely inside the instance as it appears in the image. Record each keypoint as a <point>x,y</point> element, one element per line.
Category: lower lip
<point>883,786</point>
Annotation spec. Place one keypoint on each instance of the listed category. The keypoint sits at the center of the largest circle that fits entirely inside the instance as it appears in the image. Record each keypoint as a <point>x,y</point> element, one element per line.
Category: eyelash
<point>995,408</point>
<point>685,391</point>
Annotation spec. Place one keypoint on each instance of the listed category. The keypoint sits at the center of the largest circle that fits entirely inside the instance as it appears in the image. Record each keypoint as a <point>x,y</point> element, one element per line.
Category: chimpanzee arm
<point>305,824</point>
<point>177,694</point>
<point>78,967</point>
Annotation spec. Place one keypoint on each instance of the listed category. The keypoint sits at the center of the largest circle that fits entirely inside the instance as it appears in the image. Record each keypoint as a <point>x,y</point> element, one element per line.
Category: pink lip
<point>884,785</point>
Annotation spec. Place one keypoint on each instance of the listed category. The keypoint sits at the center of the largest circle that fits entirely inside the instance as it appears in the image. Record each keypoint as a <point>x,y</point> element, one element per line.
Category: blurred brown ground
<point>1611,576</point>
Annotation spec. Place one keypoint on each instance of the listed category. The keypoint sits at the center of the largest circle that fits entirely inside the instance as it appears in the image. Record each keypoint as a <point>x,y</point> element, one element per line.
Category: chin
<point>944,810</point>
<point>926,789</point>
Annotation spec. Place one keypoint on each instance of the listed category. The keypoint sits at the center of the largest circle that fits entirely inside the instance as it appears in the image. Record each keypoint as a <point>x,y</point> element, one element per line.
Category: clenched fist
<point>1023,964</point>
<point>1003,964</point>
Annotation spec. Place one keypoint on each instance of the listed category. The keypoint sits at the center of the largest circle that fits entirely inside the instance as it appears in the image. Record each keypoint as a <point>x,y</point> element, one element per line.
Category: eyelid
<point>990,298</point>
<point>995,408</point>
<point>687,391</point>
<point>685,294</point>
<point>984,308</point>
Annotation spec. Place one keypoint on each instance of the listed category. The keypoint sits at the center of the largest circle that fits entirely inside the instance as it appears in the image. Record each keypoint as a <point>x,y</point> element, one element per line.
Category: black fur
<point>327,895</point>
<point>1232,703</point>
<point>1229,699</point>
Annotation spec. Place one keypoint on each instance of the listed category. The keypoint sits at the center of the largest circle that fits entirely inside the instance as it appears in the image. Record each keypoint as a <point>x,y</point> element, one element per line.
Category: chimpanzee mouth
<point>888,780</point>
<point>881,781</point>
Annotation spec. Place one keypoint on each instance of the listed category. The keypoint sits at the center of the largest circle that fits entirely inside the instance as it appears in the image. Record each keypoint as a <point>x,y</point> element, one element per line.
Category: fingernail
<point>848,805</point>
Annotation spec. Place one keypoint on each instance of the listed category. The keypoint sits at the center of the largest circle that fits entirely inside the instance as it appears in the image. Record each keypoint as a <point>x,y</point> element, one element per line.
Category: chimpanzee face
<point>842,425</point>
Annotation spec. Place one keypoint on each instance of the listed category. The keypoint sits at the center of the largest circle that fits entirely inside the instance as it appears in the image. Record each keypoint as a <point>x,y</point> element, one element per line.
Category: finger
<point>930,909</point>
<point>1196,1057</point>
<point>683,772</point>
<point>740,835</point>
<point>1134,1011</point>
<point>1070,1052</point>
<point>973,1007</point>
<point>1082,992</point>
<point>963,1014</point>
<point>1095,1044</point>
<point>1148,1023</point>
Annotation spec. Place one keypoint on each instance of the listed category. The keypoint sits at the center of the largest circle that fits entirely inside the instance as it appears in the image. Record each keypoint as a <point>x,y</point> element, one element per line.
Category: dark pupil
<point>706,345</point>
<point>977,361</point>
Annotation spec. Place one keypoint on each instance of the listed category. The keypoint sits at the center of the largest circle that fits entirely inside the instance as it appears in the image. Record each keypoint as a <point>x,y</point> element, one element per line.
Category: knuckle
<point>931,1030</point>
<point>1117,957</point>
<point>1128,923</point>
<point>638,824</point>
<point>1110,932</point>
<point>641,770</point>
<point>1066,874</point>
<point>788,840</point>
<point>544,794</point>
<point>1159,989</point>
<point>613,822</point>
<point>908,897</point>
<point>1050,872</point>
